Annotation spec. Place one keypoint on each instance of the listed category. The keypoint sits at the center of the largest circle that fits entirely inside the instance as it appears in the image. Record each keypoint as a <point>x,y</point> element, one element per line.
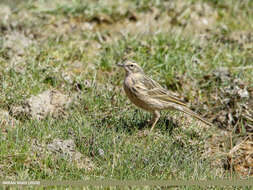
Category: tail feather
<point>197,116</point>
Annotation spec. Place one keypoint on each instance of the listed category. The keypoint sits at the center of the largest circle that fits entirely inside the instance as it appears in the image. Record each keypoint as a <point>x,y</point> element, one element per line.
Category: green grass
<point>101,119</point>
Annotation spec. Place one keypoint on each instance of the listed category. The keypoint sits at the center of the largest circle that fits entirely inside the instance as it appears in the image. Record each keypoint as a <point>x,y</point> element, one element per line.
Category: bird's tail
<point>195,115</point>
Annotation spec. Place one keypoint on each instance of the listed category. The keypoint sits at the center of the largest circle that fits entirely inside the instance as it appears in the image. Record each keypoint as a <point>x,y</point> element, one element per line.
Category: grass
<point>75,45</point>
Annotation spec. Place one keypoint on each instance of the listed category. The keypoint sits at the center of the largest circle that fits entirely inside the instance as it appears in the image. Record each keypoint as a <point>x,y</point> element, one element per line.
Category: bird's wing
<point>153,89</point>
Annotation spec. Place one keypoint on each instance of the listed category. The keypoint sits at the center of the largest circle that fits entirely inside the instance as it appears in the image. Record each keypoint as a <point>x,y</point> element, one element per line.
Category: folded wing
<point>153,89</point>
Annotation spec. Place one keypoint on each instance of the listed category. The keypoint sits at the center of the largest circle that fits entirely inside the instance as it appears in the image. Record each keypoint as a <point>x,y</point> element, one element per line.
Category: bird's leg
<point>156,116</point>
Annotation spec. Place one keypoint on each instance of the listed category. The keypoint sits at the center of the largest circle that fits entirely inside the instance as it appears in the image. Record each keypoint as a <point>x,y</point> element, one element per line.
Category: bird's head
<point>131,67</point>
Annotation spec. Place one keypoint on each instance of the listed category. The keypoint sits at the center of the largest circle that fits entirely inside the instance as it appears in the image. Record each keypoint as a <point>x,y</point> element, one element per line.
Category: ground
<point>63,111</point>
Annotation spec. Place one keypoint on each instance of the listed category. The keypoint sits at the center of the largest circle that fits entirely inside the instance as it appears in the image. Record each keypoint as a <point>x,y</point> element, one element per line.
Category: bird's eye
<point>131,65</point>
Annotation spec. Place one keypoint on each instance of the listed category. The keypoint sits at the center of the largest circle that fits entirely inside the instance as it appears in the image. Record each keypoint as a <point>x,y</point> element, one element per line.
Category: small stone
<point>16,42</point>
<point>101,152</point>
<point>243,93</point>
<point>50,102</point>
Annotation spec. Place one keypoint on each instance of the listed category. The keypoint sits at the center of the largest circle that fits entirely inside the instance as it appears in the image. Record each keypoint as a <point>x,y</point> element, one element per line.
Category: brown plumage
<point>150,95</point>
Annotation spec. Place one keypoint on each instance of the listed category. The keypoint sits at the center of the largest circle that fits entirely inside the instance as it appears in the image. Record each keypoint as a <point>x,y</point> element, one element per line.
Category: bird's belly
<point>135,99</point>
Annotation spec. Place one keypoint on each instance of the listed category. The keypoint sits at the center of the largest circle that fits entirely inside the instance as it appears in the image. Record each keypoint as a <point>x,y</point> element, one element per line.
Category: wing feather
<point>155,90</point>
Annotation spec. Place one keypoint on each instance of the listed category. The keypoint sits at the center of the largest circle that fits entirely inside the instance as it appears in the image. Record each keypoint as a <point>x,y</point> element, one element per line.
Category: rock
<point>101,152</point>
<point>66,149</point>
<point>16,42</point>
<point>243,93</point>
<point>60,149</point>
<point>50,102</point>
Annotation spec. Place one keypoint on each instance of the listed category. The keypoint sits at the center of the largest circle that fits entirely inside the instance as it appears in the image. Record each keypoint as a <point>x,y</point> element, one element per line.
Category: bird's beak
<point>119,64</point>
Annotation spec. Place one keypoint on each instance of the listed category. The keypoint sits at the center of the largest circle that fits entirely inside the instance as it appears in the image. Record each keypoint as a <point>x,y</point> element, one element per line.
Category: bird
<point>149,95</point>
